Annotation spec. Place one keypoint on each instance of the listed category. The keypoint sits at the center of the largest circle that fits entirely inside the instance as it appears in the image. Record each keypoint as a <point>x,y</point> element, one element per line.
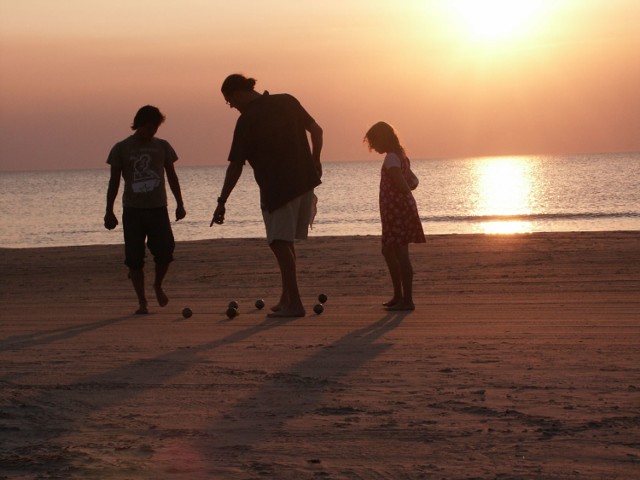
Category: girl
<point>401,223</point>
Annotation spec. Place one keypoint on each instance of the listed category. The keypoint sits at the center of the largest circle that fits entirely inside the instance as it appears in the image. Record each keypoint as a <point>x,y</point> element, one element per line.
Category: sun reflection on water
<point>504,189</point>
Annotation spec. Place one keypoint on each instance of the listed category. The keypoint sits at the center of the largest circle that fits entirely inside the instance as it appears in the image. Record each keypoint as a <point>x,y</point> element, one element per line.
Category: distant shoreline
<point>354,237</point>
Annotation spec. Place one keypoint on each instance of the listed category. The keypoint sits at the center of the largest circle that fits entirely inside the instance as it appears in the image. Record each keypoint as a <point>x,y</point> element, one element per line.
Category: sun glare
<point>504,185</point>
<point>491,20</point>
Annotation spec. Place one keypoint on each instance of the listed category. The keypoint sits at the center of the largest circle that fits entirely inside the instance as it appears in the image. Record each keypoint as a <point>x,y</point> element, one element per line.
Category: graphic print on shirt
<point>144,178</point>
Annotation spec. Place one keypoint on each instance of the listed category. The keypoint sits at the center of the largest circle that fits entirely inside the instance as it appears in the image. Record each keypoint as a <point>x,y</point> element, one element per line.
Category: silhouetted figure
<point>271,134</point>
<point>142,160</point>
<point>399,216</point>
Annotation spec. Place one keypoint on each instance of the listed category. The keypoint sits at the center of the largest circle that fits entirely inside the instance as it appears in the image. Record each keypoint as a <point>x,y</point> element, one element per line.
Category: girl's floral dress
<point>401,223</point>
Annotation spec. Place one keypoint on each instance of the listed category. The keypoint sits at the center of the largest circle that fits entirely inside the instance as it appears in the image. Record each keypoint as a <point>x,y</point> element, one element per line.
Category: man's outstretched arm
<point>234,170</point>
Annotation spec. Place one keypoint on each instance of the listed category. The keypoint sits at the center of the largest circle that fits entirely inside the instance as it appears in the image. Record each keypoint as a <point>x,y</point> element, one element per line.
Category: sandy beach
<point>521,361</point>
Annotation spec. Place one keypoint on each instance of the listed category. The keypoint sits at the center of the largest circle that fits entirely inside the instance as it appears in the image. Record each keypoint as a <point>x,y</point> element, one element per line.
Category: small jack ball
<point>318,308</point>
<point>259,304</point>
<point>322,298</point>
<point>233,304</point>
<point>232,312</point>
<point>186,312</point>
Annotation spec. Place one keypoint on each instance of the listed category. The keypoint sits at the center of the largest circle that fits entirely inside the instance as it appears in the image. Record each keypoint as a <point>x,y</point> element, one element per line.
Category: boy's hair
<point>235,82</point>
<point>147,114</point>
<point>384,136</point>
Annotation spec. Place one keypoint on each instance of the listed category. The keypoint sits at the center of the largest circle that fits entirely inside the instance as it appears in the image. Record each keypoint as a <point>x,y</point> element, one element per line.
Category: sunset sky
<point>512,77</point>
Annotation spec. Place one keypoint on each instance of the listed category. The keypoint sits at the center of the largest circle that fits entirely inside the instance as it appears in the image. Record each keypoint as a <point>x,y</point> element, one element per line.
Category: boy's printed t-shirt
<point>143,165</point>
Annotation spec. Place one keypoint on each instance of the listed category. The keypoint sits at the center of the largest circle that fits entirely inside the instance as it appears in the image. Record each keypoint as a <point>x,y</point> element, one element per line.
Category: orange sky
<point>455,82</point>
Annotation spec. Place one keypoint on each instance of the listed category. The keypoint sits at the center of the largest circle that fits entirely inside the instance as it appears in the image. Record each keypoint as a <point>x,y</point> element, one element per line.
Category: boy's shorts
<point>292,220</point>
<point>152,225</point>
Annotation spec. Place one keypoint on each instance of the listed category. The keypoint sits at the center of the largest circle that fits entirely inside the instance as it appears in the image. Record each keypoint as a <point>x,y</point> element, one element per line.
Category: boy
<point>142,161</point>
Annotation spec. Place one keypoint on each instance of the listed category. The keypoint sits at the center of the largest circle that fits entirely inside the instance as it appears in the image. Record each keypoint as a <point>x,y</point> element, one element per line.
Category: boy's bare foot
<point>276,308</point>
<point>142,310</point>
<point>288,312</point>
<point>161,296</point>
<point>401,307</point>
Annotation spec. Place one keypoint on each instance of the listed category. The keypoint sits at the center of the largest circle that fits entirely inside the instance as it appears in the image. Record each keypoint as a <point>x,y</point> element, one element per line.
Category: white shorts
<point>291,221</point>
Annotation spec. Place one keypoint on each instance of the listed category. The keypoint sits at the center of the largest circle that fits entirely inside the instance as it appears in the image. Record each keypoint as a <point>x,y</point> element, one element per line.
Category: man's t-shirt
<point>271,134</point>
<point>142,165</point>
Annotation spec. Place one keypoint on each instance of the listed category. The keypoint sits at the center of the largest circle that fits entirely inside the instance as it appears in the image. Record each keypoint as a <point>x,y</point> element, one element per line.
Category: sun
<point>493,20</point>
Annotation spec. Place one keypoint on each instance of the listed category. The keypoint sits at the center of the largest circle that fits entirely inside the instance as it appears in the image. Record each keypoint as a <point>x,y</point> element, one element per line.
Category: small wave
<point>529,217</point>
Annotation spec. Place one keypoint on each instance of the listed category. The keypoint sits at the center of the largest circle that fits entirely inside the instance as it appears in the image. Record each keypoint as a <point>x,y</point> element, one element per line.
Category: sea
<point>486,195</point>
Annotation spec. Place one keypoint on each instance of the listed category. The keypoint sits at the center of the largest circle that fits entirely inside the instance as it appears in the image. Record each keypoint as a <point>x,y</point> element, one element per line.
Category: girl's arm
<point>398,180</point>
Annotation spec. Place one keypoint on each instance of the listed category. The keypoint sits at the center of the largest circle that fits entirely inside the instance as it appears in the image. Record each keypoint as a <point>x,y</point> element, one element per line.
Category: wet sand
<point>521,361</point>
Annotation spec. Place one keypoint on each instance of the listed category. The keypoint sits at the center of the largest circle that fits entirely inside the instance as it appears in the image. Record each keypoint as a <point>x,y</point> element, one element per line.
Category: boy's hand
<point>180,212</point>
<point>110,221</point>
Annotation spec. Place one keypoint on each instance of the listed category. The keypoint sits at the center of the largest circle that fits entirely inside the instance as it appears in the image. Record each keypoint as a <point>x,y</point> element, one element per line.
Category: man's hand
<point>180,212</point>
<point>110,221</point>
<point>218,215</point>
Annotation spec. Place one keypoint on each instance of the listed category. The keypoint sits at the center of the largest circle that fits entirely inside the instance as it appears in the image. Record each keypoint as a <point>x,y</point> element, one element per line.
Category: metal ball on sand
<point>186,312</point>
<point>318,308</point>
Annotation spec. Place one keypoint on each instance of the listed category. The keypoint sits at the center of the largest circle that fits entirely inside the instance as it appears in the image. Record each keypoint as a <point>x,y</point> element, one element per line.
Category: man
<point>271,134</point>
<point>142,161</point>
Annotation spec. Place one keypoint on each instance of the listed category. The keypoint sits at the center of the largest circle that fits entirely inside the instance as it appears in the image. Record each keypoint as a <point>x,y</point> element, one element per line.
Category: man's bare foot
<point>142,310</point>
<point>161,296</point>
<point>288,312</point>
<point>401,307</point>
<point>282,303</point>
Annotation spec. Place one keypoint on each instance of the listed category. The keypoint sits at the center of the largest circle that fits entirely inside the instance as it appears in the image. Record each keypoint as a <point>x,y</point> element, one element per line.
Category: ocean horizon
<point>507,194</point>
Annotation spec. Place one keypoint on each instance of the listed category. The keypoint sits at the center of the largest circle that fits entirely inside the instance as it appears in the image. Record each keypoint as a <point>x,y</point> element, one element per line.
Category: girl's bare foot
<point>392,302</point>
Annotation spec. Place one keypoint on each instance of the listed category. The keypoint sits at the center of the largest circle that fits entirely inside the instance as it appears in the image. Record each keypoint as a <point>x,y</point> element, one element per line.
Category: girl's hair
<point>147,114</point>
<point>236,82</point>
<point>383,136</point>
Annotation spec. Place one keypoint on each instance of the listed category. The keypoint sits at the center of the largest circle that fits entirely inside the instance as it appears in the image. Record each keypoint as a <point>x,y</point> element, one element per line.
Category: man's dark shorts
<point>152,225</point>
